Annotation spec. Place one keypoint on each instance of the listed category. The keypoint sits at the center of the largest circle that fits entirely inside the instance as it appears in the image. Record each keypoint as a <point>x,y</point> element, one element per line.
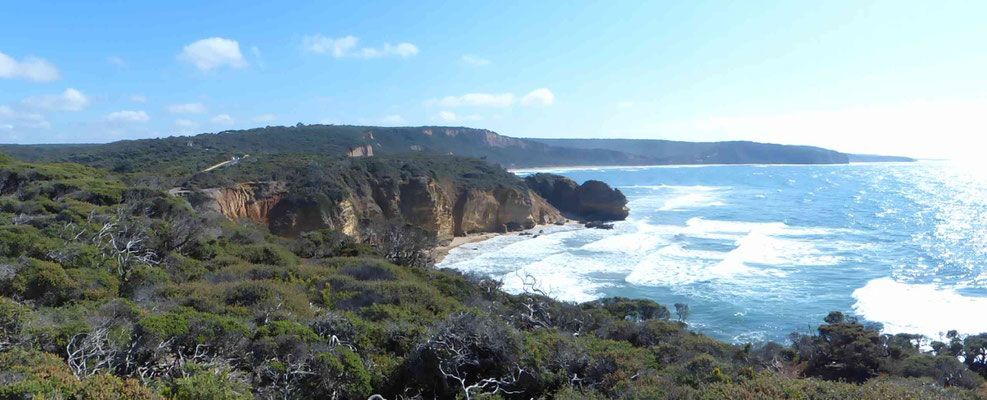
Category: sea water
<point>759,252</point>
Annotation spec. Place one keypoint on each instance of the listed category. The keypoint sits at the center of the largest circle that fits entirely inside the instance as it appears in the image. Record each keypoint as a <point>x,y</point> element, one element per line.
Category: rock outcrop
<point>591,201</point>
<point>439,206</point>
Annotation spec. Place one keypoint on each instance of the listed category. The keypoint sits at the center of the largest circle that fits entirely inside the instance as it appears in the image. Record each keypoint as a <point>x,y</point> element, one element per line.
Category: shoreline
<point>651,166</point>
<point>441,252</point>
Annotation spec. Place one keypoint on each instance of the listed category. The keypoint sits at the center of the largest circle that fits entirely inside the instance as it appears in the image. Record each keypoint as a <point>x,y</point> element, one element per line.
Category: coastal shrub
<point>842,350</point>
<point>265,253</point>
<point>340,372</point>
<point>635,309</point>
<point>13,318</point>
<point>181,268</point>
<point>207,384</point>
<point>28,374</point>
<point>975,353</point>
<point>44,281</point>
<point>328,243</point>
<point>23,240</point>
<point>465,349</point>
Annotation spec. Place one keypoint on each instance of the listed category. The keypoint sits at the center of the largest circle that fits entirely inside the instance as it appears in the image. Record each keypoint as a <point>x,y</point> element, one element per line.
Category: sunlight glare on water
<point>762,251</point>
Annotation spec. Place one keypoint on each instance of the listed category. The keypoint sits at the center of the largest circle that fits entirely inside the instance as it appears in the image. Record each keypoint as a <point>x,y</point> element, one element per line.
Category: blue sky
<point>885,77</point>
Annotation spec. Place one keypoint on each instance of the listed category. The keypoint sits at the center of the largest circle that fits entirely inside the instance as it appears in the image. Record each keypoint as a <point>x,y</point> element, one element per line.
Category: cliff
<point>591,201</point>
<point>440,206</point>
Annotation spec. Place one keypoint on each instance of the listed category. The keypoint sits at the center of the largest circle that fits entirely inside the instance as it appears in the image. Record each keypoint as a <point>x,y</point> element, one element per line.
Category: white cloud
<point>347,46</point>
<point>477,100</point>
<point>538,97</point>
<point>474,60</point>
<point>186,123</point>
<point>128,116</point>
<point>138,98</point>
<point>23,119</point>
<point>212,53</point>
<point>451,116</point>
<point>187,108</point>
<point>625,104</point>
<point>447,115</point>
<point>116,61</point>
<point>265,118</point>
<point>30,68</point>
<point>69,100</point>
<point>223,119</point>
<point>393,120</point>
<point>6,127</point>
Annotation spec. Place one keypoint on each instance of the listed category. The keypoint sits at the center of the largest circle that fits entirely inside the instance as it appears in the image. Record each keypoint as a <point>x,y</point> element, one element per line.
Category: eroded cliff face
<point>438,206</point>
<point>250,200</point>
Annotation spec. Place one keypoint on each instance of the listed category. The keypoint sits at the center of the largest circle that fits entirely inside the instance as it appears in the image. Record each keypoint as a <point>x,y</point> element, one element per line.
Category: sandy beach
<point>442,251</point>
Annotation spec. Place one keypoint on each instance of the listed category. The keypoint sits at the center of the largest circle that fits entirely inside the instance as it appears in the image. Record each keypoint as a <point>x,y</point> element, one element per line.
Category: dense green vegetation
<point>736,152</point>
<point>110,289</point>
<point>186,155</point>
<point>183,156</point>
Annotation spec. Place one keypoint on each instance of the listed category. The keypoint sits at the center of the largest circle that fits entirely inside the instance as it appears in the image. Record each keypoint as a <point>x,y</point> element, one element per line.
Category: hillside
<point>183,156</point>
<point>740,152</point>
<point>878,158</point>
<point>187,154</point>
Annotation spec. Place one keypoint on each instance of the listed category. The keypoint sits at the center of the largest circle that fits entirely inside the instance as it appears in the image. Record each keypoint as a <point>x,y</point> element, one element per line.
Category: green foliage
<point>30,374</point>
<point>636,309</point>
<point>206,385</point>
<point>43,281</point>
<point>264,253</point>
<point>285,327</point>
<point>23,240</point>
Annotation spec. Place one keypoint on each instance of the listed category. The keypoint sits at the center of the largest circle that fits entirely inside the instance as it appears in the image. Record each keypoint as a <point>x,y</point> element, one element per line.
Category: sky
<point>886,77</point>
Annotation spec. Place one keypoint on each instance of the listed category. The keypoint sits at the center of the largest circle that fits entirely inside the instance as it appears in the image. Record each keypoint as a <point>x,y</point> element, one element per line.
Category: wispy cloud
<point>187,108</point>
<point>393,120</point>
<point>20,119</point>
<point>450,116</point>
<point>116,61</point>
<point>223,119</point>
<point>499,100</point>
<point>348,46</point>
<point>475,61</point>
<point>536,98</point>
<point>30,68</point>
<point>212,53</point>
<point>138,98</point>
<point>258,57</point>
<point>128,116</point>
<point>186,123</point>
<point>265,118</point>
<point>69,100</point>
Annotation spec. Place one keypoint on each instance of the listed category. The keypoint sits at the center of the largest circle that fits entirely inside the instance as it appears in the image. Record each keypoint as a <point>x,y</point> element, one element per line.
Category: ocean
<point>759,252</point>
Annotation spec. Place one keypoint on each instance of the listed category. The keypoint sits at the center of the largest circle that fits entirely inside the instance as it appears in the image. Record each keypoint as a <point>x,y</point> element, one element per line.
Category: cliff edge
<point>439,206</point>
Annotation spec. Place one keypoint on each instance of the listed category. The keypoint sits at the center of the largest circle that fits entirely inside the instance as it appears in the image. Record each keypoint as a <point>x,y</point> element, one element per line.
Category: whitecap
<point>919,308</point>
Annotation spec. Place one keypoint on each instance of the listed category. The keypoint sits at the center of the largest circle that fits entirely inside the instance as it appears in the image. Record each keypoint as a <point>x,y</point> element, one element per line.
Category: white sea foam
<point>676,198</point>
<point>673,265</point>
<point>626,243</point>
<point>919,308</point>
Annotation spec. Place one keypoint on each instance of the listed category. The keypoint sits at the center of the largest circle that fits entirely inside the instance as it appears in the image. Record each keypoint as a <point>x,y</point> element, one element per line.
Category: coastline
<point>558,169</point>
<point>442,251</point>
